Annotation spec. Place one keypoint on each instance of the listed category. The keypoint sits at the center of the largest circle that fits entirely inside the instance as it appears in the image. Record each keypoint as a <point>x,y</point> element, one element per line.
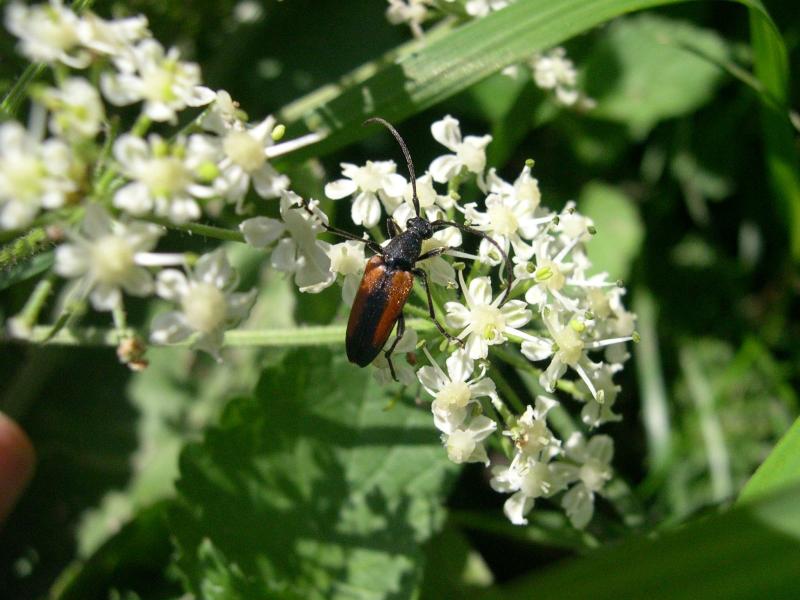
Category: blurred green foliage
<point>671,165</point>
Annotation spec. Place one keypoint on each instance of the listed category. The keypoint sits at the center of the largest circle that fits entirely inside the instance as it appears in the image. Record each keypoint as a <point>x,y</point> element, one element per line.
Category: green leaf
<point>619,228</point>
<point>752,551</point>
<point>781,469</point>
<point>135,556</point>
<point>639,74</point>
<point>423,75</point>
<point>311,489</point>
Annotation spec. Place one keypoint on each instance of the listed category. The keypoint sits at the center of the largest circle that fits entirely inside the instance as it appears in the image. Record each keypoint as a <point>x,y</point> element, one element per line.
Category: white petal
<point>260,232</point>
<point>172,284</point>
<point>537,348</point>
<point>138,282</point>
<point>516,507</point>
<point>169,328</point>
<point>71,260</point>
<point>477,347</point>
<point>578,503</point>
<point>284,256</point>
<point>105,297</point>
<point>601,447</point>
<point>458,315</point>
<point>366,210</point>
<point>394,185</point>
<point>444,168</point>
<point>200,96</point>
<point>516,313</point>
<point>447,132</point>
<point>341,188</point>
<point>215,269</point>
<point>459,366</point>
<point>431,379</point>
<point>480,292</point>
<point>134,198</point>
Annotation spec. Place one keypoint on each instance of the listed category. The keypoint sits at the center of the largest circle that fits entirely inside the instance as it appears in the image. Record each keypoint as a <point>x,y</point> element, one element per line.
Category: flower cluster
<point>551,71</point>
<point>568,323</point>
<point>524,292</point>
<point>108,194</point>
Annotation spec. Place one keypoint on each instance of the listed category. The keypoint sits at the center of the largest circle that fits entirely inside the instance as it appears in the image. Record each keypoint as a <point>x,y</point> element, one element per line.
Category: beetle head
<point>420,227</point>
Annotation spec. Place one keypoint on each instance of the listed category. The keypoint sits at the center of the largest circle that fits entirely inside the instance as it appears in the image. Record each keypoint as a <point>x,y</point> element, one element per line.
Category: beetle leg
<point>438,225</point>
<point>435,252</point>
<point>424,279</point>
<point>372,245</point>
<point>401,329</point>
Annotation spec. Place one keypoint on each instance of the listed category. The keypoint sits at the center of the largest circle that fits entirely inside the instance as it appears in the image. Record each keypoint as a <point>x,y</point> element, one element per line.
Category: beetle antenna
<point>406,153</point>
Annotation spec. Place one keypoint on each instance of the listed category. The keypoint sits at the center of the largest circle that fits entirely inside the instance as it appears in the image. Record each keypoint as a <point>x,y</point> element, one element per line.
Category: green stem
<point>210,231</point>
<point>12,100</point>
<point>24,247</point>
<point>297,336</point>
<point>29,314</point>
<point>506,390</point>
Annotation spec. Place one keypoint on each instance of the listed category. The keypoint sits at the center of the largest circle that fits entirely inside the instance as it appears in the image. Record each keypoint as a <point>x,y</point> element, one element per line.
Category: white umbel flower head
<point>372,184</point>
<point>465,445</point>
<point>208,305</point>
<point>482,321</point>
<point>301,253</point>
<point>33,175</point>
<point>527,479</point>
<point>162,178</point>
<point>166,84</point>
<point>106,257</point>
<point>76,110</point>
<point>411,12</point>
<point>469,152</point>
<point>481,8</point>
<point>454,392</point>
<point>591,470</point>
<point>48,33</point>
<point>347,259</point>
<point>531,435</point>
<point>554,71</point>
<point>241,157</point>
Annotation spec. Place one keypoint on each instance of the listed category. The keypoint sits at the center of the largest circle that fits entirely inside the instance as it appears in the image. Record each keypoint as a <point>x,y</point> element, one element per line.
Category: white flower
<point>373,183</point>
<point>240,156</point>
<point>347,258</point>
<point>481,8</point>
<point>223,114</point>
<point>599,407</point>
<point>166,84</point>
<point>48,33</point>
<point>454,392</point>
<point>162,178</point>
<point>402,368</point>
<point>412,12</point>
<point>531,435</point>
<point>470,153</point>
<point>431,202</point>
<point>482,320</point>
<point>113,38</point>
<point>554,71</point>
<point>300,254</point>
<point>208,304</point>
<point>528,479</point>
<point>507,221</point>
<point>549,275</point>
<point>75,107</point>
<point>106,257</point>
<point>592,472</point>
<point>465,445</point>
<point>33,175</point>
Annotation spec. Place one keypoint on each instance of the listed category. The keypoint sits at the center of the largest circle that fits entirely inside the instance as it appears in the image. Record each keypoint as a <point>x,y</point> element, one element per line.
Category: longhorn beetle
<point>389,276</point>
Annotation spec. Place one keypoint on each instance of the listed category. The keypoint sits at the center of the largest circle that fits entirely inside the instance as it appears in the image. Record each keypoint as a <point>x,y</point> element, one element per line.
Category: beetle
<point>389,276</point>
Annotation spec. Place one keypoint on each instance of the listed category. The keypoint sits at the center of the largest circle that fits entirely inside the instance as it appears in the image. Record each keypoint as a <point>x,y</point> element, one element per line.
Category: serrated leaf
<point>640,74</point>
<point>311,489</point>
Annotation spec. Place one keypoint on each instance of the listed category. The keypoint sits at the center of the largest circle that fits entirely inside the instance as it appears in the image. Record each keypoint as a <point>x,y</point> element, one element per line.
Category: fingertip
<point>17,459</point>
